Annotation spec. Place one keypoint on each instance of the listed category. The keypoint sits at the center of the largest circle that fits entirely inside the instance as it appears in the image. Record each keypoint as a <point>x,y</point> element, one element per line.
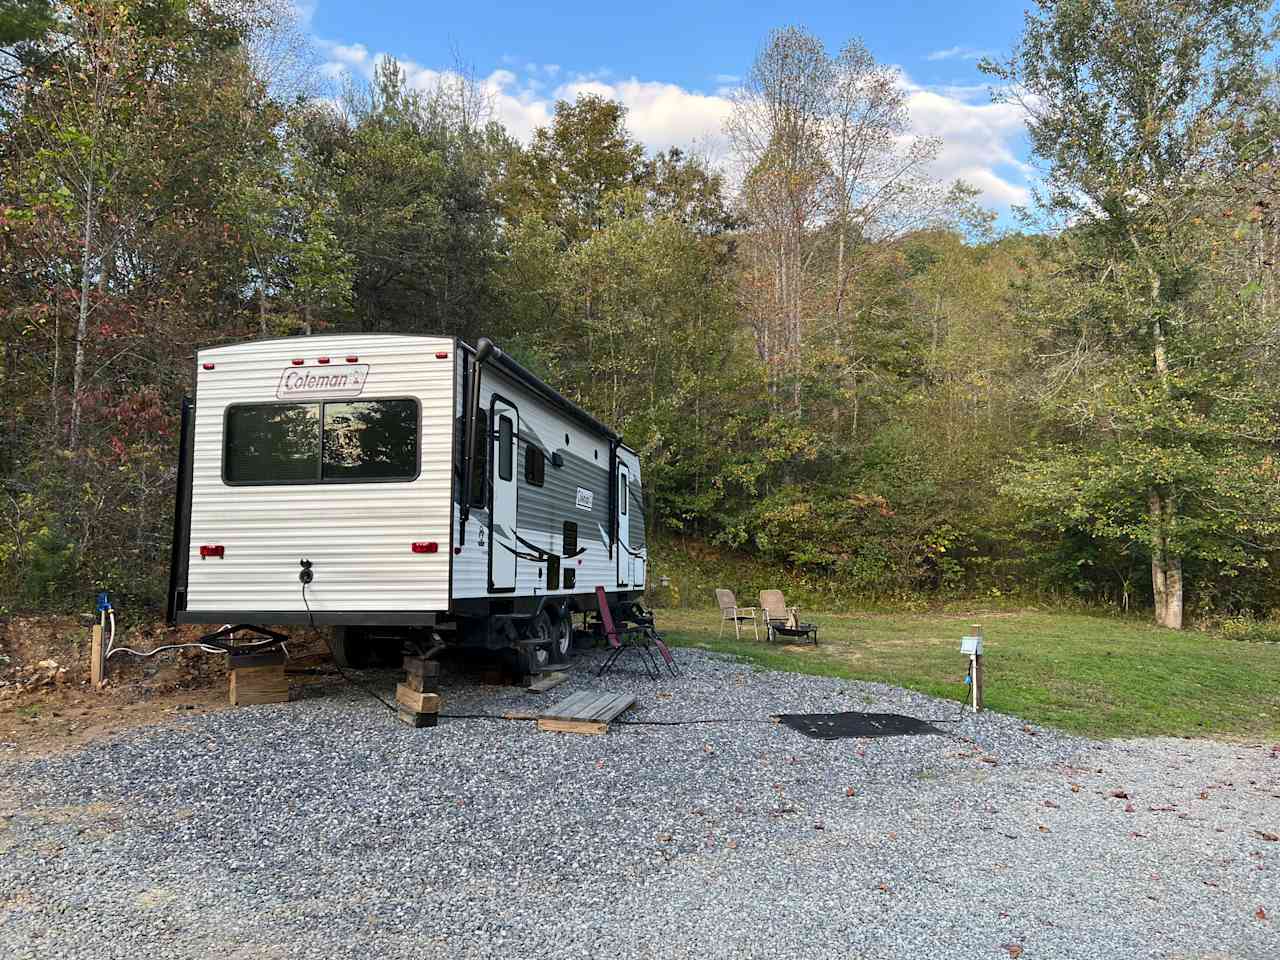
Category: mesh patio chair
<point>730,611</point>
<point>643,638</point>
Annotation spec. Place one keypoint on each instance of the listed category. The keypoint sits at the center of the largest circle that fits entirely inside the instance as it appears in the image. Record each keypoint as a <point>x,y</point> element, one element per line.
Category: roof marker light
<point>425,546</point>
<point>296,362</point>
<point>208,550</point>
<point>353,359</point>
<point>442,355</point>
<point>207,366</point>
<point>323,359</point>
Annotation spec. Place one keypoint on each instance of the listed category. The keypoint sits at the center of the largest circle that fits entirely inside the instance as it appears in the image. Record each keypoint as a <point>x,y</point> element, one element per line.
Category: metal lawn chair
<point>730,611</point>
<point>781,620</point>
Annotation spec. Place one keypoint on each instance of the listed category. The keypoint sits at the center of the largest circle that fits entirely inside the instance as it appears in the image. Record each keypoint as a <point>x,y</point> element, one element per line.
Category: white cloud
<point>959,53</point>
<point>980,139</point>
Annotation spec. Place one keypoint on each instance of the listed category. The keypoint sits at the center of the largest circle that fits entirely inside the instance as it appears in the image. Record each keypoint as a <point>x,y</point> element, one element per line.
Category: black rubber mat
<point>844,726</point>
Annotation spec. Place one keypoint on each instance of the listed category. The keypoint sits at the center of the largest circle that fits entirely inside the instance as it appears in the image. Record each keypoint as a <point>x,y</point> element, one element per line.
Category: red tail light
<point>426,546</point>
<point>207,366</point>
<point>297,362</point>
<point>207,551</point>
<point>353,359</point>
<point>442,355</point>
<point>324,359</point>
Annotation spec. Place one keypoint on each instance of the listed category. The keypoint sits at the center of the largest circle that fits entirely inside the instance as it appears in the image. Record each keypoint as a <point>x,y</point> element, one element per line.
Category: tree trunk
<point>1166,569</point>
<point>82,324</point>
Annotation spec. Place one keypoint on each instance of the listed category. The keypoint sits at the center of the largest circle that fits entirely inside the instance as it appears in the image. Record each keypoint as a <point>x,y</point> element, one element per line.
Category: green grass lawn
<point>1093,675</point>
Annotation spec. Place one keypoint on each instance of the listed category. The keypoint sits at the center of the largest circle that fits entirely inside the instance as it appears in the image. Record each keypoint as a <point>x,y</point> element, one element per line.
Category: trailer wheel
<point>564,637</point>
<point>346,648</point>
<point>543,640</point>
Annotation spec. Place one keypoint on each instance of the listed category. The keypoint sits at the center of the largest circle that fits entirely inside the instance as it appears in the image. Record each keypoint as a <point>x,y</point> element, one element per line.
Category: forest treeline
<point>823,355</point>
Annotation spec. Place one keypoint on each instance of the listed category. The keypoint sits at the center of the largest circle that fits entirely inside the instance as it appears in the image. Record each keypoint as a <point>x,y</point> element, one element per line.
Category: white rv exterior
<point>351,452</point>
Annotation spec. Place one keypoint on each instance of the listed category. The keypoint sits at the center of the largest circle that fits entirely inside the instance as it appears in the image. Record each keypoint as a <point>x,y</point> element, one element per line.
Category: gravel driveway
<point>324,828</point>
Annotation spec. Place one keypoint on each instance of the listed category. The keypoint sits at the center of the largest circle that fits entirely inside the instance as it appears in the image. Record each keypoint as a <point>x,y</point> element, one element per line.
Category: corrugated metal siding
<point>357,535</point>
<point>541,512</point>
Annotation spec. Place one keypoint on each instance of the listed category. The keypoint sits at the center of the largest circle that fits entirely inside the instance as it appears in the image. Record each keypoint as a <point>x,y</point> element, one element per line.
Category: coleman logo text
<point>338,381</point>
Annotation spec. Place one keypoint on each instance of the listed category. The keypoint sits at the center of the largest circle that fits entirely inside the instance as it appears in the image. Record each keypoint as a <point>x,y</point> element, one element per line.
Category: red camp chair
<point>643,637</point>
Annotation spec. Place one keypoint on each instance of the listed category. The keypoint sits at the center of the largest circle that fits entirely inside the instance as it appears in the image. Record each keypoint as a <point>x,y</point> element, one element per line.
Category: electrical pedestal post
<point>972,645</point>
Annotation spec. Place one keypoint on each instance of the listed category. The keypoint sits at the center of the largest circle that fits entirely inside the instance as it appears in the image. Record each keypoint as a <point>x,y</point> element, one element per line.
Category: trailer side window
<point>569,544</point>
<point>480,468</point>
<point>535,466</point>
<point>504,448</point>
<point>622,494</point>
<point>272,443</point>
<point>370,440</point>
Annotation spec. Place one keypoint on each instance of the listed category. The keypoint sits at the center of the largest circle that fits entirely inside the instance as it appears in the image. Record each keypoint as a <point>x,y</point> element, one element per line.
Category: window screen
<point>622,493</point>
<point>272,443</point>
<point>370,440</point>
<point>480,468</point>
<point>504,448</point>
<point>535,466</point>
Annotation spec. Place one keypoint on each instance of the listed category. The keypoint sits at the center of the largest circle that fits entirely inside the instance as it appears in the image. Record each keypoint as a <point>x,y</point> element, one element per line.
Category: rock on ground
<point>325,828</point>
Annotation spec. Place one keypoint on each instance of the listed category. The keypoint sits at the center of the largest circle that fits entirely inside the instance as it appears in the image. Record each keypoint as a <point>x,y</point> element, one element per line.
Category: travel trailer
<point>399,487</point>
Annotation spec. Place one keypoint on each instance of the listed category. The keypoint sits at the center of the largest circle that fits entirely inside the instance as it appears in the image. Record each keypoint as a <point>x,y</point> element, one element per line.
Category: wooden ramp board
<point>587,711</point>
<point>547,681</point>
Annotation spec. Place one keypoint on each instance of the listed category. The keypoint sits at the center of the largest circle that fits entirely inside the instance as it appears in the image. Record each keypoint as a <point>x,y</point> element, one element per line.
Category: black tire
<point>354,649</point>
<point>563,648</point>
<point>542,638</point>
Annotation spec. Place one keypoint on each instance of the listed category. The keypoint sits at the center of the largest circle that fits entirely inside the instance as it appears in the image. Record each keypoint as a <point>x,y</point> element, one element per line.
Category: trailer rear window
<point>337,441</point>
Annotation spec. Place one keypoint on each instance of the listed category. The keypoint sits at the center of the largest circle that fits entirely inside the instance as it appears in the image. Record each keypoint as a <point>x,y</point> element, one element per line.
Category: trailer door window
<point>504,448</point>
<point>272,443</point>
<point>370,440</point>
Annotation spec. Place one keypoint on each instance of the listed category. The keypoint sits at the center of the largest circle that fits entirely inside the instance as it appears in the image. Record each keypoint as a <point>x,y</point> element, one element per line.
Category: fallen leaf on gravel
<point>1204,794</point>
<point>893,836</point>
<point>1209,883</point>
<point>1044,829</point>
<point>850,792</point>
<point>1129,808</point>
<point>991,760</point>
<point>1135,835</point>
<point>664,838</point>
<point>1051,805</point>
<point>1268,836</point>
<point>1120,794</point>
<point>1075,788</point>
<point>1015,951</point>
<point>818,826</point>
<point>884,888</point>
<point>1260,914</point>
<point>733,844</point>
<point>1163,808</point>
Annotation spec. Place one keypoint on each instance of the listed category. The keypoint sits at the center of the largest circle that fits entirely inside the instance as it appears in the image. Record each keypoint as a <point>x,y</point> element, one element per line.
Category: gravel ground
<point>324,828</point>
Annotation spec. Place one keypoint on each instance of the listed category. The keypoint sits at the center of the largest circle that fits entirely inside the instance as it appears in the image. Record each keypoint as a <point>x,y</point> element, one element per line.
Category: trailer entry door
<point>624,531</point>
<point>505,422</point>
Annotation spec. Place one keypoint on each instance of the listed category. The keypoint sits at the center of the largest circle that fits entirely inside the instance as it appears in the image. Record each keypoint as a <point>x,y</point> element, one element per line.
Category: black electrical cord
<point>311,619</point>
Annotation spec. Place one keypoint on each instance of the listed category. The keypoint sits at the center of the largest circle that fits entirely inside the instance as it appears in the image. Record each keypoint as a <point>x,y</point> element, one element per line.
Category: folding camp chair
<point>729,610</point>
<point>784,621</point>
<point>641,638</point>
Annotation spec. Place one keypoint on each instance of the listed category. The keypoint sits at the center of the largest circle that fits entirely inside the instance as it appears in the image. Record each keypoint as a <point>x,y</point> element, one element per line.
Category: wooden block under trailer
<point>247,685</point>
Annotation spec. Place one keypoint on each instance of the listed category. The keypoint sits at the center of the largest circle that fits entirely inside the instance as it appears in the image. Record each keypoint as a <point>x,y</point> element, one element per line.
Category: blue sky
<point>672,64</point>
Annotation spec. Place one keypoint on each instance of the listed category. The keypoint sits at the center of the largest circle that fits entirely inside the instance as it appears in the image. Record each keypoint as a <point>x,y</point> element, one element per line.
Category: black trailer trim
<point>180,549</point>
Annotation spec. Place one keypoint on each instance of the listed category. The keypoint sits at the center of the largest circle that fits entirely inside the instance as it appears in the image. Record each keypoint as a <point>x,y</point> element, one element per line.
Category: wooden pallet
<point>588,711</point>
